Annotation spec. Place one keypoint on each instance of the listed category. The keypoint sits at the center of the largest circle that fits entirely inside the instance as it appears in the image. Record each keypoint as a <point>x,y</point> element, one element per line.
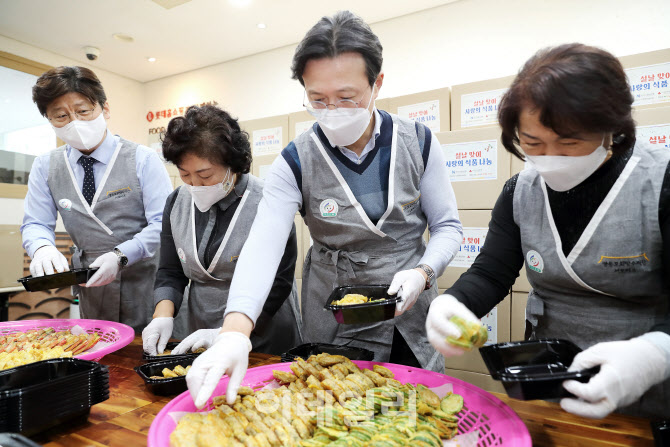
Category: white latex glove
<point>228,355</point>
<point>45,259</point>
<point>438,326</point>
<point>408,284</point>
<point>156,335</point>
<point>627,369</point>
<point>202,338</point>
<point>108,268</point>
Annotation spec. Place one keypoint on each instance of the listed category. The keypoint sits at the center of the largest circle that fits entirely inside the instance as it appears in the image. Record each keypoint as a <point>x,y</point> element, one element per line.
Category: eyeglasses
<point>317,108</point>
<point>64,118</point>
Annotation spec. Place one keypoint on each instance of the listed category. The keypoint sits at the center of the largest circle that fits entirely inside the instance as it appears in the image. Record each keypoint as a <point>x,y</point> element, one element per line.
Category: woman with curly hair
<point>206,223</point>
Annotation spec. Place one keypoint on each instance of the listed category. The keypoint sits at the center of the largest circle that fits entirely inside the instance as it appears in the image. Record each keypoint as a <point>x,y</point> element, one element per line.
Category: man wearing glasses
<point>110,193</point>
<point>367,184</point>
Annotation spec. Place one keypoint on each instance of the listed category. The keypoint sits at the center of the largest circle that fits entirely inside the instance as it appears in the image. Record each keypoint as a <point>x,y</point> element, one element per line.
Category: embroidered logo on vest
<point>119,193</point>
<point>182,256</point>
<point>66,204</point>
<point>328,208</point>
<point>534,261</point>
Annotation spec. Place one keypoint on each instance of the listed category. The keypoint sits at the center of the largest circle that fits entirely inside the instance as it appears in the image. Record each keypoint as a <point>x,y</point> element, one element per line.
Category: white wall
<point>125,96</point>
<point>466,41</point>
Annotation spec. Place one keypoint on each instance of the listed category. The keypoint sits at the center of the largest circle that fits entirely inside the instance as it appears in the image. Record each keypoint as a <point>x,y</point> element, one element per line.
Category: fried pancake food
<point>328,400</point>
<point>21,348</point>
<point>473,335</point>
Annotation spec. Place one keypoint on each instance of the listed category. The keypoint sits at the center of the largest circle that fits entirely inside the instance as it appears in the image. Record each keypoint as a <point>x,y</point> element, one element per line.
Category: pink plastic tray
<point>497,423</point>
<point>113,335</point>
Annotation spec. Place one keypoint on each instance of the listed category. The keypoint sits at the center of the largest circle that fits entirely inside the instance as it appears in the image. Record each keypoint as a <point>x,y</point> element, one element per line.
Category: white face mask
<point>83,135</point>
<point>343,127</point>
<point>206,196</point>
<point>562,173</point>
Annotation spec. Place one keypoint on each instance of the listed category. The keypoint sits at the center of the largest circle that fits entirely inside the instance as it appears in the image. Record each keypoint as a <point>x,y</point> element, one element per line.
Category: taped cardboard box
<point>267,135</point>
<point>649,78</point>
<point>475,104</point>
<point>432,108</point>
<point>475,226</point>
<point>478,166</point>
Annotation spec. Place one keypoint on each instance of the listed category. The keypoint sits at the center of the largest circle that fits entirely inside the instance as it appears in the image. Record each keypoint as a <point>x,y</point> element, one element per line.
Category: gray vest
<point>115,216</point>
<point>610,286</point>
<point>210,285</point>
<point>349,249</point>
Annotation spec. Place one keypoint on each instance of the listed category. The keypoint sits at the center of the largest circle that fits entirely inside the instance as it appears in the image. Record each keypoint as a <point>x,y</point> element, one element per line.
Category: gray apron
<point>349,249</point>
<point>116,215</point>
<point>610,286</point>
<point>208,292</point>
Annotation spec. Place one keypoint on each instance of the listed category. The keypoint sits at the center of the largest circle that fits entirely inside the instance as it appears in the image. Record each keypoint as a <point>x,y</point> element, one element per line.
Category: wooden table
<point>124,419</point>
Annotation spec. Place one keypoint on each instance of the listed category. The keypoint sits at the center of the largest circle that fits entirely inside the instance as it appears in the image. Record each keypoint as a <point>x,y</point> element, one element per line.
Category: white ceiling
<point>192,35</point>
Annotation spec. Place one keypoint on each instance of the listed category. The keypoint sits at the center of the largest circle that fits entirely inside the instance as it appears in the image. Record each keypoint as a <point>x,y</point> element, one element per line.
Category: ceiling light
<point>239,3</point>
<point>123,37</point>
<point>151,59</point>
<point>261,25</point>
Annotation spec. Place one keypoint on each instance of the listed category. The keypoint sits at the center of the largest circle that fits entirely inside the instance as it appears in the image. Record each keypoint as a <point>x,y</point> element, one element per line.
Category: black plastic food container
<point>146,358</point>
<point>57,280</point>
<point>45,394</point>
<point>363,313</point>
<point>534,369</point>
<point>661,431</point>
<point>309,349</point>
<point>164,387</point>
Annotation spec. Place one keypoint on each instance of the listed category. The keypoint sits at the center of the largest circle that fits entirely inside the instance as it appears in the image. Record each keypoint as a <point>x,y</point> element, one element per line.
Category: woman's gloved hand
<point>438,326</point>
<point>627,370</point>
<point>408,284</point>
<point>202,338</point>
<point>156,335</point>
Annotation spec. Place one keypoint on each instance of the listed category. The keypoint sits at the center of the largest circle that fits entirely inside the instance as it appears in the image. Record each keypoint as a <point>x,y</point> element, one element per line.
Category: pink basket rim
<point>125,333</point>
<point>163,425</point>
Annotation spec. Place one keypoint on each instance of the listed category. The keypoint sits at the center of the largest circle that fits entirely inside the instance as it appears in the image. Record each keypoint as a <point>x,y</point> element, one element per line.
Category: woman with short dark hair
<point>110,193</point>
<point>590,216</point>
<point>205,224</point>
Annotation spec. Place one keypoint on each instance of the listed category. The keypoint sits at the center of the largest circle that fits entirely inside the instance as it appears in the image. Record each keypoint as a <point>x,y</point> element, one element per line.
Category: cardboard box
<point>472,361</point>
<point>519,300</point>
<point>468,101</point>
<point>267,135</point>
<point>12,259</point>
<point>432,108</point>
<point>475,224</point>
<point>483,381</point>
<point>298,122</point>
<point>261,165</point>
<point>478,166</point>
<point>638,68</point>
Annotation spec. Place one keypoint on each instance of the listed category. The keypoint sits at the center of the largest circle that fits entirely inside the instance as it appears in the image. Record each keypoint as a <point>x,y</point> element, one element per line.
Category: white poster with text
<point>649,84</point>
<point>481,108</point>
<point>657,135</point>
<point>473,240</point>
<point>473,160</point>
<point>267,141</point>
<point>427,113</point>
